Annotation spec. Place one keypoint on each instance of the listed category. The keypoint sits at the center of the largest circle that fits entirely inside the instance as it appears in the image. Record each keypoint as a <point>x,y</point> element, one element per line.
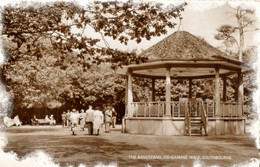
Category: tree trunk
<point>241,33</point>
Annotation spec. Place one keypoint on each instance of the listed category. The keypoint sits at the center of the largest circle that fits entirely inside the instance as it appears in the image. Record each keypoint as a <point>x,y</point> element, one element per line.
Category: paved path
<point>130,149</point>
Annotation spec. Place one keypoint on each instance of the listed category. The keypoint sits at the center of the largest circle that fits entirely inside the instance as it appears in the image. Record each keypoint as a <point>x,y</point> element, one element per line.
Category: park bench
<point>43,122</point>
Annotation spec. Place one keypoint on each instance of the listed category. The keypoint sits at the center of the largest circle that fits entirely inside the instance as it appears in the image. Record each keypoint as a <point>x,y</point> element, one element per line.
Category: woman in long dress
<point>82,119</point>
<point>98,121</point>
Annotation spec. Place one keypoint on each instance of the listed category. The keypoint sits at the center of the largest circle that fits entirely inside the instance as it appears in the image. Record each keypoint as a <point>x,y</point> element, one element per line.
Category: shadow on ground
<point>117,147</point>
<point>64,148</point>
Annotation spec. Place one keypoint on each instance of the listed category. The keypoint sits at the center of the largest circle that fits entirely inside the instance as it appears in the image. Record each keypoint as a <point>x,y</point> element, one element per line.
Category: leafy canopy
<point>54,53</point>
<point>65,26</point>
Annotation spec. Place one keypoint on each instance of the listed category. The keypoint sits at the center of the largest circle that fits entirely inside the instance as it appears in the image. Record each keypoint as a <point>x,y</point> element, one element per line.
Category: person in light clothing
<point>108,119</point>
<point>63,118</point>
<point>89,120</point>
<point>52,120</point>
<point>17,121</point>
<point>47,119</point>
<point>68,118</point>
<point>98,121</point>
<point>74,119</point>
<point>82,119</point>
<point>8,122</point>
<point>114,114</point>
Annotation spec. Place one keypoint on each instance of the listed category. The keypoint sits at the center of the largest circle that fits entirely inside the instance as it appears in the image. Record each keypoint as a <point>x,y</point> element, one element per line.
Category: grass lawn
<point>129,149</point>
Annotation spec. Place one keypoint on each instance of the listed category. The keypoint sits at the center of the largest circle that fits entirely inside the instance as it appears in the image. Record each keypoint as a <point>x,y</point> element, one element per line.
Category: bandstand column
<point>240,93</point>
<point>126,97</point>
<point>168,92</point>
<point>129,93</point>
<point>217,93</point>
<point>153,89</point>
<point>224,89</point>
<point>190,88</point>
<point>220,126</point>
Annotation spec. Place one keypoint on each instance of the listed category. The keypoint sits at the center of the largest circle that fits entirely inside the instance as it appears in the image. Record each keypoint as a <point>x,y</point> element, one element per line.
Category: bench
<point>43,122</point>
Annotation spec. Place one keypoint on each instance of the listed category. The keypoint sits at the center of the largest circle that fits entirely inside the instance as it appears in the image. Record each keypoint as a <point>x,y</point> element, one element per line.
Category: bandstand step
<point>196,126</point>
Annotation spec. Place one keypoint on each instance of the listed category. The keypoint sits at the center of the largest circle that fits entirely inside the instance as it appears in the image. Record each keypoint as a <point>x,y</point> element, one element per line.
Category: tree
<point>244,24</point>
<point>250,82</point>
<point>64,26</point>
<point>53,63</point>
<point>225,33</point>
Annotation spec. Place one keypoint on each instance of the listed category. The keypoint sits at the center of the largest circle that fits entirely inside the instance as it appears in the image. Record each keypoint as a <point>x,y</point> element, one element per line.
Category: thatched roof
<point>183,45</point>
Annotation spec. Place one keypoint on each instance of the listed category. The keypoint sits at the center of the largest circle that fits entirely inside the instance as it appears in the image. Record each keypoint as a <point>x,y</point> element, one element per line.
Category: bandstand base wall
<point>176,126</point>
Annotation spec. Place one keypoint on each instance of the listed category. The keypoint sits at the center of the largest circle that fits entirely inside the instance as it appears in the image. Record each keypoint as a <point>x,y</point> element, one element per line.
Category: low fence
<point>148,109</point>
<point>158,109</point>
<point>228,109</point>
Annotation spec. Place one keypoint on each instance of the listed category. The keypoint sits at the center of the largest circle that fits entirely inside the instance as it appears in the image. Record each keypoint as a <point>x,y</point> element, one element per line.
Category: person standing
<point>89,120</point>
<point>68,118</point>
<point>114,114</point>
<point>74,119</point>
<point>82,119</point>
<point>63,118</point>
<point>108,119</point>
<point>98,121</point>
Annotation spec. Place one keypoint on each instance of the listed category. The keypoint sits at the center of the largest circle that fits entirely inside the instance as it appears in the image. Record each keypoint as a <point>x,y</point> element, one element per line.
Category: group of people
<point>51,120</point>
<point>8,122</point>
<point>47,120</point>
<point>91,119</point>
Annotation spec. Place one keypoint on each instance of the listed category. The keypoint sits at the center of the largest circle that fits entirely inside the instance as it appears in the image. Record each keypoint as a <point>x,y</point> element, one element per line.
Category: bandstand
<point>183,56</point>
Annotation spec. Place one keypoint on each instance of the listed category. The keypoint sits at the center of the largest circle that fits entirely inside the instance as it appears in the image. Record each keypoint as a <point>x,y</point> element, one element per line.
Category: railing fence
<point>158,109</point>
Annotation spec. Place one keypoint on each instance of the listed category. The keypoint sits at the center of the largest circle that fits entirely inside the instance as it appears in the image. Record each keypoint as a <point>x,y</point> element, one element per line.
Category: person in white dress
<point>74,119</point>
<point>98,121</point>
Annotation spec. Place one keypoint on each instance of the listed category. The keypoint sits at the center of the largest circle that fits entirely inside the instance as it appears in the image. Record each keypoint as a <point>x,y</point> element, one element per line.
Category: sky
<point>200,19</point>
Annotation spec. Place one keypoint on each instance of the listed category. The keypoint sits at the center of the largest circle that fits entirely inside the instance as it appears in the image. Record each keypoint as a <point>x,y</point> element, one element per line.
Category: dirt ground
<point>130,149</point>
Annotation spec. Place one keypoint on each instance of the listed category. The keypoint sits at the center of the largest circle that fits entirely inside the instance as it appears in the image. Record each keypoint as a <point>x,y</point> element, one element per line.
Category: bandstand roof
<point>187,55</point>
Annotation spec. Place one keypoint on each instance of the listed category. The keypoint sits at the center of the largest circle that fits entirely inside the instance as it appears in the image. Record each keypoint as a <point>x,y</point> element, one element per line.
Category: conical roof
<point>183,45</point>
<point>187,56</point>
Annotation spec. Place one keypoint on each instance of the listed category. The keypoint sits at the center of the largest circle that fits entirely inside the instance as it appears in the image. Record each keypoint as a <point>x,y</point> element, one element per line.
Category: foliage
<point>225,33</point>
<point>65,26</point>
<point>53,61</point>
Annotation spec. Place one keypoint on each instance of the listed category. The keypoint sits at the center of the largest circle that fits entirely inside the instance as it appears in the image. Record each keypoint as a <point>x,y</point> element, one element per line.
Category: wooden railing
<point>187,120</point>
<point>209,108</point>
<point>158,109</point>
<point>203,115</point>
<point>178,109</point>
<point>148,109</point>
<point>230,109</point>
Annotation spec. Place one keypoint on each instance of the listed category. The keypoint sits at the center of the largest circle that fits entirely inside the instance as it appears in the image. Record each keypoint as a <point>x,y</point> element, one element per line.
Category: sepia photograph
<point>129,83</point>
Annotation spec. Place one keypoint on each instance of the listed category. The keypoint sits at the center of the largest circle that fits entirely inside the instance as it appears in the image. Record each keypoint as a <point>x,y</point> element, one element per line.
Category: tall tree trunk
<point>241,33</point>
